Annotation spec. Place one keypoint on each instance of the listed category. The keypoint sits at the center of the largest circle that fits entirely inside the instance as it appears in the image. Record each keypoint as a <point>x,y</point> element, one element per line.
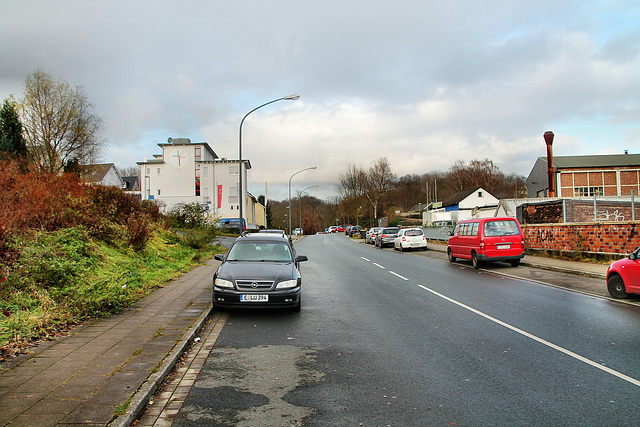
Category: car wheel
<point>616,288</point>
<point>514,262</point>
<point>475,261</point>
<point>451,257</point>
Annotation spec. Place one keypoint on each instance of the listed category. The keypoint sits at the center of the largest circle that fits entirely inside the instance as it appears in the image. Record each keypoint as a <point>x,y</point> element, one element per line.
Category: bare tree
<point>58,123</point>
<point>379,182</point>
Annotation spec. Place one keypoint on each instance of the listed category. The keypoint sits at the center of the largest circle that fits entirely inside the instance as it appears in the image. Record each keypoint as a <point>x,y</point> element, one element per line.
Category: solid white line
<point>378,265</point>
<point>540,340</point>
<point>396,274</point>
<point>365,259</point>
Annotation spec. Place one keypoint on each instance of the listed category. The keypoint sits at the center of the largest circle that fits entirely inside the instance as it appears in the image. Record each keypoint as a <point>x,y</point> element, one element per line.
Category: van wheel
<point>475,261</point>
<point>615,286</point>
<point>514,262</point>
<point>450,254</point>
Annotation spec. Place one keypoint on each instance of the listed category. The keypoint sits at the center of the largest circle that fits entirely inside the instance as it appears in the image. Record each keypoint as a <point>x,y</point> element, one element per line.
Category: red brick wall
<point>593,238</point>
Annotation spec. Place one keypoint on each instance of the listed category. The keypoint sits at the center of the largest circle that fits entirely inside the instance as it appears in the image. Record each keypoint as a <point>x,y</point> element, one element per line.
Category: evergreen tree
<point>12,143</point>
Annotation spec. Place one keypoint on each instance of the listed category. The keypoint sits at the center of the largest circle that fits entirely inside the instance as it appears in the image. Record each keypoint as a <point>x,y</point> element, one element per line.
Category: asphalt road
<point>389,338</point>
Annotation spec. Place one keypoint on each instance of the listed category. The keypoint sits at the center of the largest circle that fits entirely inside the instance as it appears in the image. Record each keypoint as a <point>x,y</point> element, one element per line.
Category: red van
<point>487,239</point>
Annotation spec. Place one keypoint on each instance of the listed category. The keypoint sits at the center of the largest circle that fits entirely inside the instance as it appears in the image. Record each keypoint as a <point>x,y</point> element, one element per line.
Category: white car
<point>410,238</point>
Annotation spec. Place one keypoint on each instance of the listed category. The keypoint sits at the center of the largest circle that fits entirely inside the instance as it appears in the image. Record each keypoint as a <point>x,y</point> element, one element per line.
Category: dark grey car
<point>259,271</point>
<point>385,236</point>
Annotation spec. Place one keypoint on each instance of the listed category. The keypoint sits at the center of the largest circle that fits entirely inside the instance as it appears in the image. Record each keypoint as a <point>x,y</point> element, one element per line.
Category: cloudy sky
<point>424,83</point>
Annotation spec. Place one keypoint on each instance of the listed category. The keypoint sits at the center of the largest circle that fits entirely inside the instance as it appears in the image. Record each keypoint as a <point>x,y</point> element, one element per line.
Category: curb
<point>564,270</point>
<point>141,397</point>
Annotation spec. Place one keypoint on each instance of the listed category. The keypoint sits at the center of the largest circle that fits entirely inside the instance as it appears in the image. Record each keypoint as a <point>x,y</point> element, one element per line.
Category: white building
<point>189,172</point>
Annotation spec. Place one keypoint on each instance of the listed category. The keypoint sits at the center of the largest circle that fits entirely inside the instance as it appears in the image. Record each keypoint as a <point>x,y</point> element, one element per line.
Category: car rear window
<point>413,233</point>
<point>501,228</point>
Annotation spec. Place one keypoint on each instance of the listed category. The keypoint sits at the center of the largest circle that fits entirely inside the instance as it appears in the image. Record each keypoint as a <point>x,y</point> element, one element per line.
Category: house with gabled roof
<point>104,174</point>
<point>475,202</point>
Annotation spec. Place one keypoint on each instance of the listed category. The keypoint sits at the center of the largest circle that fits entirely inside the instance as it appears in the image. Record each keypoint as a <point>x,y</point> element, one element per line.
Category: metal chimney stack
<point>548,139</point>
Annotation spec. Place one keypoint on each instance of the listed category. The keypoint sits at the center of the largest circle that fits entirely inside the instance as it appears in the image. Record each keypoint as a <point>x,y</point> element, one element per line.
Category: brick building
<point>597,175</point>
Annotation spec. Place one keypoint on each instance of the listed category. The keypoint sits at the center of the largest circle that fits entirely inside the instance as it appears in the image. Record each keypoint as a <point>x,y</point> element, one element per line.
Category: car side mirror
<point>301,258</point>
<point>219,257</point>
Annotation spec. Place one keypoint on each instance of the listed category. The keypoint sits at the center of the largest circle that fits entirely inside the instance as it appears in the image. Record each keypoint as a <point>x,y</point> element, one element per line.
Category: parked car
<point>354,231</point>
<point>259,271</point>
<point>487,239</point>
<point>385,236</point>
<point>410,238</point>
<point>370,237</point>
<point>623,276</point>
<point>341,228</point>
<point>332,229</point>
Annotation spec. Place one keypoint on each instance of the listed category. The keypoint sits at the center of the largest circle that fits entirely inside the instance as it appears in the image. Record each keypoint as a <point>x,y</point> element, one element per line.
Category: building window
<point>588,191</point>
<point>158,191</point>
<point>205,171</point>
<point>233,170</point>
<point>158,171</point>
<point>479,193</point>
<point>233,194</point>
<point>198,153</point>
<point>197,180</point>
<point>148,171</point>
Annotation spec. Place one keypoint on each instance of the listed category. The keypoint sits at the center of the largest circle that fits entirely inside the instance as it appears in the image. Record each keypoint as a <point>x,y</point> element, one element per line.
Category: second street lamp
<point>300,208</point>
<point>301,170</point>
<point>240,193</point>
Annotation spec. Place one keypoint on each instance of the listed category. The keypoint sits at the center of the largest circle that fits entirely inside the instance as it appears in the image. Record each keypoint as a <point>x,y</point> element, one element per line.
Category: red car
<point>623,276</point>
<point>341,228</point>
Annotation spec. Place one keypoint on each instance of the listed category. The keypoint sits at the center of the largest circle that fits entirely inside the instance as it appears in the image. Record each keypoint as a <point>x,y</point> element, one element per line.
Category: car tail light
<point>404,239</point>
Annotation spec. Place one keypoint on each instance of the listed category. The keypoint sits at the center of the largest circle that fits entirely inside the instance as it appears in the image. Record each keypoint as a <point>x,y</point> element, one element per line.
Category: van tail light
<point>481,244</point>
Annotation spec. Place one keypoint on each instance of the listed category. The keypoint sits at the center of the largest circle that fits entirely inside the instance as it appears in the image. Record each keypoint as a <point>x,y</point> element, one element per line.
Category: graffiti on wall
<point>605,215</point>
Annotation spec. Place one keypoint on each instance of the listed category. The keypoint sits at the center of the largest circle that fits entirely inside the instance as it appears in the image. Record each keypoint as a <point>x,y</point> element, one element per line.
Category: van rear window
<point>501,228</point>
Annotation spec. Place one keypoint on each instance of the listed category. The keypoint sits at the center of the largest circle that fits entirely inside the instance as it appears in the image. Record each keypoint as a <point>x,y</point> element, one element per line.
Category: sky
<point>423,83</point>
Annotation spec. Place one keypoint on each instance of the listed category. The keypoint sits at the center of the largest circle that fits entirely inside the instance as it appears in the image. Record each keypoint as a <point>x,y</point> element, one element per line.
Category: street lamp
<point>300,197</point>
<point>301,170</point>
<point>240,193</point>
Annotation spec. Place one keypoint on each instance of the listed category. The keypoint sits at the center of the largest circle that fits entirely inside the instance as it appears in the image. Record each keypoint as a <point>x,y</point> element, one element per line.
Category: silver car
<point>370,237</point>
<point>385,236</point>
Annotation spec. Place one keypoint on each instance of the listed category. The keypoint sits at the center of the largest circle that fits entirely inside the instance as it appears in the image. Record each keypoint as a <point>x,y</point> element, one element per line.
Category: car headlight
<point>287,284</point>
<point>221,283</point>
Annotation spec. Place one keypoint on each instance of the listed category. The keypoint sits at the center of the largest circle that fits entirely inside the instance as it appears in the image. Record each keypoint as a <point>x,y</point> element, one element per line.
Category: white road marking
<point>365,259</point>
<point>540,340</point>
<point>378,265</point>
<point>397,275</point>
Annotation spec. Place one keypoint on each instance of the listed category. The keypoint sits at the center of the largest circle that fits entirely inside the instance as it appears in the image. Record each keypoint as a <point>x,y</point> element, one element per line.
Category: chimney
<point>548,139</point>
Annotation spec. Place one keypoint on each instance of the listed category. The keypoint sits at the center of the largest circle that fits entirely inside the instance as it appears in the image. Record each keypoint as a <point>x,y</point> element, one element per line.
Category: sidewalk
<point>84,378</point>
<point>588,269</point>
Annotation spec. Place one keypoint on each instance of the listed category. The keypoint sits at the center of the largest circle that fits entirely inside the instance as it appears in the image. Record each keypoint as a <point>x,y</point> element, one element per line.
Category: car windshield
<point>413,233</point>
<point>259,251</point>
<point>501,228</point>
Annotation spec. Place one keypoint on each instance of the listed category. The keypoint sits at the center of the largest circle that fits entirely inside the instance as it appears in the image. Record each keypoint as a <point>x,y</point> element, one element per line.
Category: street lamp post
<point>300,197</point>
<point>240,193</point>
<point>301,170</point>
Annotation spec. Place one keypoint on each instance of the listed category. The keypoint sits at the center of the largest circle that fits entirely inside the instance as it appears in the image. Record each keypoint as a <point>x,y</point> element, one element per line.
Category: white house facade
<point>189,172</point>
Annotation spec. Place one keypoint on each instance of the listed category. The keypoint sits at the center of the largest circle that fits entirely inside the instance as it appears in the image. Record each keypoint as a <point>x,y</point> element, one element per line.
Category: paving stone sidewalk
<point>102,372</point>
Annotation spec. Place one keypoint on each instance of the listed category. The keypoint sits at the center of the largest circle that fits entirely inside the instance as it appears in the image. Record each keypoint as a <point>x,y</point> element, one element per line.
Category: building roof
<point>96,173</point>
<point>456,198</point>
<point>595,161</point>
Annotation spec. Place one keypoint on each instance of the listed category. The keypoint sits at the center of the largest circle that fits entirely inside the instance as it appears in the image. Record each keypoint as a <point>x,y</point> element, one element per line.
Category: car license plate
<point>503,246</point>
<point>254,298</point>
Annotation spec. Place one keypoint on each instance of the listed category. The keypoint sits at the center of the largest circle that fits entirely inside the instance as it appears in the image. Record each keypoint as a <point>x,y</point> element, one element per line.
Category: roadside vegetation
<point>71,252</point>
